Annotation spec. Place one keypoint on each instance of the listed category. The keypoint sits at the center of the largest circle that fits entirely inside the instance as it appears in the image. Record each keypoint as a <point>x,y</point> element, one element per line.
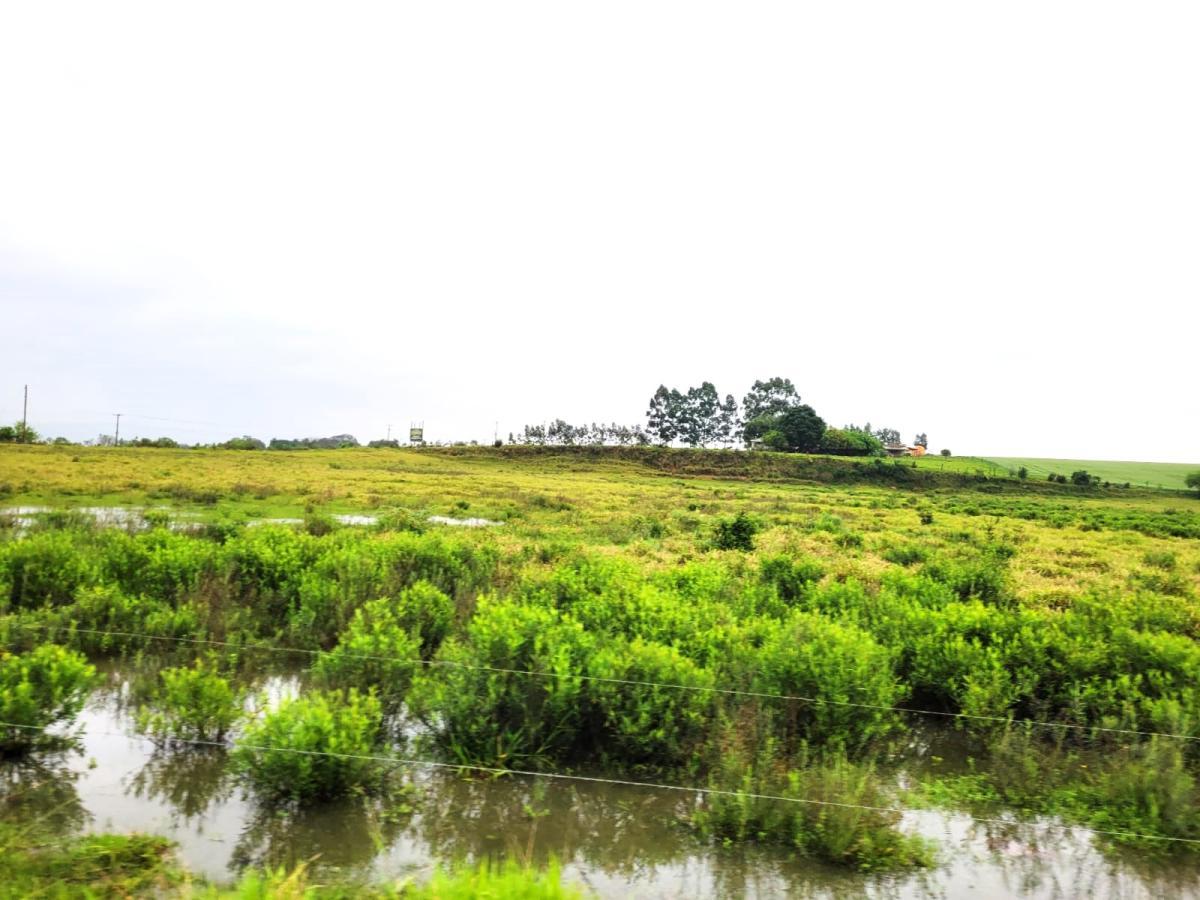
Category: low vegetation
<point>759,624</point>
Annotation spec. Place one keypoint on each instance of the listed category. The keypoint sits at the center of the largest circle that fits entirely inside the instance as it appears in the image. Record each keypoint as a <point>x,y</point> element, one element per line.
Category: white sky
<point>981,221</point>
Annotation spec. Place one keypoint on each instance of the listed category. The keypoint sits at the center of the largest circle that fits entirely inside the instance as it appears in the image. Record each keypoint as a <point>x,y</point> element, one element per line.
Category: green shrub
<point>792,578</point>
<point>318,524</point>
<point>376,652</point>
<point>45,568</point>
<point>508,882</point>
<point>647,722</point>
<point>1138,794</point>
<point>501,717</point>
<point>906,554</point>
<point>193,704</point>
<point>313,747</point>
<point>984,577</point>
<point>735,533</point>
<point>44,687</point>
<point>834,665</point>
<point>824,820</point>
<point>1160,559</point>
<point>848,540</point>
<point>111,621</point>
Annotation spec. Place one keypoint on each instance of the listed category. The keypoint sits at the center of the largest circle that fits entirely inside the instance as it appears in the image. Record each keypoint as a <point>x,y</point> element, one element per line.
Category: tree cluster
<point>18,433</point>
<point>333,442</point>
<point>771,415</point>
<point>561,433</point>
<point>697,417</point>
<point>848,442</point>
<point>775,417</point>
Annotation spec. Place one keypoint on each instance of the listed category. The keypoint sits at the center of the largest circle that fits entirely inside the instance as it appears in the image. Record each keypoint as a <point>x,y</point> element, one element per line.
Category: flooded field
<point>617,840</point>
<point>729,687</point>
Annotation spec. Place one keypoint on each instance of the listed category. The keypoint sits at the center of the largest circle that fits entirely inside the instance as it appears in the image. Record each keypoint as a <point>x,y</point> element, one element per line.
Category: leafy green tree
<point>921,440</point>
<point>245,442</point>
<point>663,416</point>
<point>802,428</point>
<point>728,421</point>
<point>888,435</point>
<point>1192,480</point>
<point>844,442</point>
<point>769,398</point>
<point>775,440</point>
<point>562,432</point>
<point>18,433</point>
<point>701,415</point>
<point>796,430</point>
<point>945,451</point>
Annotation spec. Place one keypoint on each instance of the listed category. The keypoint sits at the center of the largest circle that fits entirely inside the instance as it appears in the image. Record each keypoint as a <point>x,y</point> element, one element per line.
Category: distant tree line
<point>326,443</point>
<point>561,433</point>
<point>771,415</point>
<point>18,433</point>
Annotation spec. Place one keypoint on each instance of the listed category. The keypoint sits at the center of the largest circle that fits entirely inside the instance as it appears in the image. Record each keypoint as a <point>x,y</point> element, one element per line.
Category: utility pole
<point>25,418</point>
<point>117,437</point>
<point>389,433</point>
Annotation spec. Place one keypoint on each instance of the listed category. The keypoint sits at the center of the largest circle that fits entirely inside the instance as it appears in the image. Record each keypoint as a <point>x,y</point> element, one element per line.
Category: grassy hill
<point>1141,474</point>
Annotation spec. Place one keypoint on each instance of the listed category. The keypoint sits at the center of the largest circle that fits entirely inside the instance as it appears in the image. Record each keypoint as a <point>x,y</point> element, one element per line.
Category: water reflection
<point>343,835</point>
<point>618,829</point>
<point>189,781</point>
<point>622,841</point>
<point>39,791</point>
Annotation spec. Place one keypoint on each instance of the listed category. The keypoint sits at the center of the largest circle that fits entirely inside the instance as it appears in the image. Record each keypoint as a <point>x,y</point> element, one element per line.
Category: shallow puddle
<point>463,523</point>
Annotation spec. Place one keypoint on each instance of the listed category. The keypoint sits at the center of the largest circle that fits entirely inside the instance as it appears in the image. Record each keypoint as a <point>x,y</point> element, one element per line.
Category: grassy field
<point>637,582</point>
<point>1142,474</point>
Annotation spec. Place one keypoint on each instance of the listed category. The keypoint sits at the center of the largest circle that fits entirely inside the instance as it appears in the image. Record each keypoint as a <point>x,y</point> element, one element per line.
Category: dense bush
<point>44,687</point>
<point>842,442</point>
<point>833,666</point>
<point>193,704</point>
<point>497,716</point>
<point>736,533</point>
<point>314,747</point>
<point>651,703</point>
<point>792,578</point>
<point>45,568</point>
<point>376,652</point>
<point>835,812</point>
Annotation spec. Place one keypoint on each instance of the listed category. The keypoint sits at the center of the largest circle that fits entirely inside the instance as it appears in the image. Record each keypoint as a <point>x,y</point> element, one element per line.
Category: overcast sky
<point>981,221</point>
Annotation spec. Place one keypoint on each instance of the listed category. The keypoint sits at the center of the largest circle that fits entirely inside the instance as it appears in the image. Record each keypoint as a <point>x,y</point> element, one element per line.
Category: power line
<point>620,782</point>
<point>500,670</point>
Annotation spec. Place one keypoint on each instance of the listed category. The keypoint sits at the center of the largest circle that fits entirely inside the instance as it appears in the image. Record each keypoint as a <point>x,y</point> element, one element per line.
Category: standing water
<point>615,840</point>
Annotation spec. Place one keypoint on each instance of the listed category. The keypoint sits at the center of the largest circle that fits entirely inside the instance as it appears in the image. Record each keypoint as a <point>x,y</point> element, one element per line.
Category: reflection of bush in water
<point>343,834</point>
<point>618,830</point>
<point>188,780</point>
<point>41,791</point>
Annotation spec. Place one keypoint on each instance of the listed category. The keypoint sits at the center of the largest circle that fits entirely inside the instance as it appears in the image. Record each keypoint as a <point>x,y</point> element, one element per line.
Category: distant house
<point>903,450</point>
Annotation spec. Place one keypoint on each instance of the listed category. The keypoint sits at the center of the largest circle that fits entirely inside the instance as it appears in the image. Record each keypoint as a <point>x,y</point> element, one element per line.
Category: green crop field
<point>271,649</point>
<point>1143,474</point>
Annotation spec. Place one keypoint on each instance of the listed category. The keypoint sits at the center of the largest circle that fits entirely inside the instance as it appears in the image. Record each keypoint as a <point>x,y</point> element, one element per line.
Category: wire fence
<point>532,673</point>
<point>644,785</point>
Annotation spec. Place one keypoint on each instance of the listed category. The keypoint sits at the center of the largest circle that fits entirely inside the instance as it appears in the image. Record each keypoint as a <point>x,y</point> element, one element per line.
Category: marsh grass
<point>862,587</point>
